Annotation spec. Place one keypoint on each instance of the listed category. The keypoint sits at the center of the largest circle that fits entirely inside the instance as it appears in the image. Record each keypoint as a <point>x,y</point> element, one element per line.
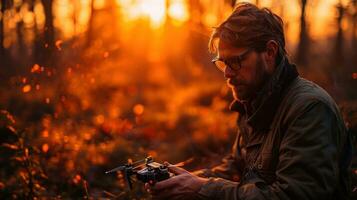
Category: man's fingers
<point>148,188</point>
<point>166,184</point>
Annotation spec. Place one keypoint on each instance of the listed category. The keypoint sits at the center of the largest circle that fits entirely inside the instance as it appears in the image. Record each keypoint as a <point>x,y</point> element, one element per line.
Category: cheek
<point>261,73</point>
<point>248,74</point>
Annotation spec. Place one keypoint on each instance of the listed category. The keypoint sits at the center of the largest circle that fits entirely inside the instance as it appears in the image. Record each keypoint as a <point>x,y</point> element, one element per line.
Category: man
<point>291,142</point>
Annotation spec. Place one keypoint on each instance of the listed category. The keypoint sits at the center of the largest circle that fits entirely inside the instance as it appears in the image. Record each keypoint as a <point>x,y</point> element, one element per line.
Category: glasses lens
<point>220,65</point>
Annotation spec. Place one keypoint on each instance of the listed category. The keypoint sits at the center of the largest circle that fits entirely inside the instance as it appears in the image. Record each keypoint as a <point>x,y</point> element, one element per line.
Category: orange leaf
<point>35,68</point>
<point>26,88</point>
<point>10,146</point>
<point>138,109</point>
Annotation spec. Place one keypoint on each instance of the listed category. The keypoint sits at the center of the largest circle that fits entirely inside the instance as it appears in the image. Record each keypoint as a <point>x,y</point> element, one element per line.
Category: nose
<point>229,73</point>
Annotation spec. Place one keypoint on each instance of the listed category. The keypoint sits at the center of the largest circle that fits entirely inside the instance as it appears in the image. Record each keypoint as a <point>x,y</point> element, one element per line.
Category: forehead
<point>225,49</point>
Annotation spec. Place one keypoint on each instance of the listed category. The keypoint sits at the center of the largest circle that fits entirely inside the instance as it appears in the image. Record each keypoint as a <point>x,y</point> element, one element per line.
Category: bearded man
<point>291,143</point>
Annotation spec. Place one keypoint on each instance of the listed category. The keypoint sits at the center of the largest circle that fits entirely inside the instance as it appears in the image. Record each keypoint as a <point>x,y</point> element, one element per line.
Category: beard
<point>243,90</point>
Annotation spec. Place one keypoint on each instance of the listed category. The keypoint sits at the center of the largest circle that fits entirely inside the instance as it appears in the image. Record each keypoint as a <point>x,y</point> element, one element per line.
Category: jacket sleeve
<point>228,168</point>
<point>308,162</point>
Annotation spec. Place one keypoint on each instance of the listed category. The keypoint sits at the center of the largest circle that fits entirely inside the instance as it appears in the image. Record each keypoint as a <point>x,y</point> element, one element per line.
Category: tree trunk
<point>303,46</point>
<point>20,36</point>
<point>90,24</point>
<point>32,9</point>
<point>74,17</point>
<point>338,51</point>
<point>46,45</point>
<point>167,16</point>
<point>49,35</point>
<point>2,33</point>
<point>354,27</point>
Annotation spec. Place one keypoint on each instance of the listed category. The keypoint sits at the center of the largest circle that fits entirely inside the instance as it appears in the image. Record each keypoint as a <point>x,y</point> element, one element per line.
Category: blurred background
<point>87,85</point>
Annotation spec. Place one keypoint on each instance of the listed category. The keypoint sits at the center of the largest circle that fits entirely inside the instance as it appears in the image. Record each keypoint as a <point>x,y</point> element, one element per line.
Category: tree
<point>3,7</point>
<point>354,25</point>
<point>20,36</point>
<point>90,24</point>
<point>45,45</point>
<point>338,54</point>
<point>49,34</point>
<point>303,46</point>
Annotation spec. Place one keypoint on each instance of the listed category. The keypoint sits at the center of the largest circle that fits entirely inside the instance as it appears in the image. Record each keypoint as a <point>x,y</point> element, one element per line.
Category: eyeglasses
<point>234,63</point>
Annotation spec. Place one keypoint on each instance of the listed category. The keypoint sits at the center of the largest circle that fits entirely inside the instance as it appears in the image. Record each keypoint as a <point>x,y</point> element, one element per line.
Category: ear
<point>272,49</point>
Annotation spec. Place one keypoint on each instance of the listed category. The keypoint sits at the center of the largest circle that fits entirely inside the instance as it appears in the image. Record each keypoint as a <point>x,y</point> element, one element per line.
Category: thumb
<point>175,169</point>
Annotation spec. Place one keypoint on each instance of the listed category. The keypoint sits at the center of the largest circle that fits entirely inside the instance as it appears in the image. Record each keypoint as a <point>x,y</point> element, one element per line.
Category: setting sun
<point>178,11</point>
<point>152,10</point>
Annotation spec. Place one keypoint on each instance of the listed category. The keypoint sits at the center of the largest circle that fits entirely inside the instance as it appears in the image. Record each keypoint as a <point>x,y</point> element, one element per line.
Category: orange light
<point>38,86</point>
<point>152,153</point>
<point>45,148</point>
<point>26,88</point>
<point>87,136</point>
<point>26,152</point>
<point>153,10</point>
<point>45,133</point>
<point>99,4</point>
<point>106,54</point>
<point>77,146</point>
<point>24,80</point>
<point>35,68</point>
<point>47,100</point>
<point>210,19</point>
<point>58,44</point>
<point>92,80</point>
<point>138,109</point>
<point>65,139</point>
<point>77,178</point>
<point>178,12</point>
<point>99,119</point>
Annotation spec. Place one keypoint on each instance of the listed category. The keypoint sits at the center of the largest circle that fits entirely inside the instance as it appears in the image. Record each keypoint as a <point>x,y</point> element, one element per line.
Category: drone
<point>146,171</point>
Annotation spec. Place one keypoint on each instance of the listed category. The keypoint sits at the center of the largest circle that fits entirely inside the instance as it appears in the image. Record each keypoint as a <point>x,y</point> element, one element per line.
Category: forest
<point>88,85</point>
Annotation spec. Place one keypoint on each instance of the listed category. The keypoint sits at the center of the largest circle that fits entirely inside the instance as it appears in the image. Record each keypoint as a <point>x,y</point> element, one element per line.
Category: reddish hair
<point>249,26</point>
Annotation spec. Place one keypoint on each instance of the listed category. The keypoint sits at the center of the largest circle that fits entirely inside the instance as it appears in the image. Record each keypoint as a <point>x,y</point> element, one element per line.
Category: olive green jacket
<point>291,144</point>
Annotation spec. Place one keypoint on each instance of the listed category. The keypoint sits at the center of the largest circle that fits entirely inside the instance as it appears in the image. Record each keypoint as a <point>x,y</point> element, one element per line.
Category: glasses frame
<point>232,62</point>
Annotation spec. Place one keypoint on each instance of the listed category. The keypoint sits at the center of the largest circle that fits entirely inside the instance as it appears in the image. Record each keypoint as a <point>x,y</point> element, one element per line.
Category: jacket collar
<point>264,106</point>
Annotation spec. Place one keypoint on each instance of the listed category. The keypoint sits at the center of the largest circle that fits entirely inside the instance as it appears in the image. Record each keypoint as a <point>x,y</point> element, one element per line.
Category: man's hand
<point>183,185</point>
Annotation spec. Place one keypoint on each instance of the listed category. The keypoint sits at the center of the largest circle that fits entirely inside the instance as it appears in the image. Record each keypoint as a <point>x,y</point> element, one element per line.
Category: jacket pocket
<point>266,166</point>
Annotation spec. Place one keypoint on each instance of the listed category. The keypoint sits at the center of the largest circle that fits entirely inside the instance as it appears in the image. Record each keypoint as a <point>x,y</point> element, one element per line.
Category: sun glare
<point>178,11</point>
<point>153,10</point>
